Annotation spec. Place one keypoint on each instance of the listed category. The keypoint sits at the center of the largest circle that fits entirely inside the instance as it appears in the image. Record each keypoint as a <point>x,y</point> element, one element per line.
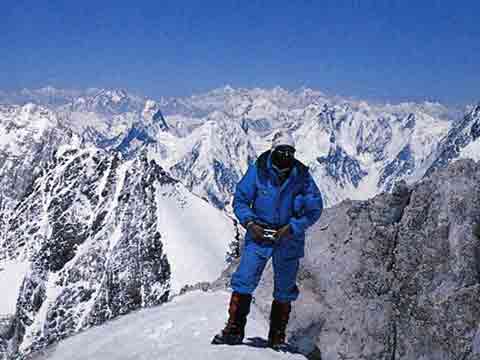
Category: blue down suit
<point>260,197</point>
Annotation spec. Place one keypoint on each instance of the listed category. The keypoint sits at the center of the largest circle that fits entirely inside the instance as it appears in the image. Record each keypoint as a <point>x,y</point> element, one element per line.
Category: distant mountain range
<point>354,149</point>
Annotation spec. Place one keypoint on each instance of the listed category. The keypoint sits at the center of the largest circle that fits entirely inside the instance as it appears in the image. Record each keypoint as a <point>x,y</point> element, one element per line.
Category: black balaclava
<point>283,157</point>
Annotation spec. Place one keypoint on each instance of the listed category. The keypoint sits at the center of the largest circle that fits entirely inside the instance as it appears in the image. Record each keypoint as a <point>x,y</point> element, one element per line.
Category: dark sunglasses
<point>285,151</point>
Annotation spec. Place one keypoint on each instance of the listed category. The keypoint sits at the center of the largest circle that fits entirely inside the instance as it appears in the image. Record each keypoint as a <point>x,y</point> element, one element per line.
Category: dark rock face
<point>137,132</point>
<point>5,332</point>
<point>89,229</point>
<point>394,277</point>
<point>437,282</point>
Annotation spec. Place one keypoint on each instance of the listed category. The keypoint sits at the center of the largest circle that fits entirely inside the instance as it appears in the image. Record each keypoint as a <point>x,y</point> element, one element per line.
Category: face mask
<point>283,157</point>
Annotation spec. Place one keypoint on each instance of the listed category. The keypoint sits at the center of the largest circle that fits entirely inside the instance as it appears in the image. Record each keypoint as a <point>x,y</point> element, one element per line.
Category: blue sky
<point>376,50</point>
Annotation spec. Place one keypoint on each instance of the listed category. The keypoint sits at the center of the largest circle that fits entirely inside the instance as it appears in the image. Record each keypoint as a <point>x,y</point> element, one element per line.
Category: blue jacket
<point>260,197</point>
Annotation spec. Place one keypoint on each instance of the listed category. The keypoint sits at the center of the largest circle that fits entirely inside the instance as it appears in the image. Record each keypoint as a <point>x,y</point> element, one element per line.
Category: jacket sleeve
<point>312,208</point>
<point>244,196</point>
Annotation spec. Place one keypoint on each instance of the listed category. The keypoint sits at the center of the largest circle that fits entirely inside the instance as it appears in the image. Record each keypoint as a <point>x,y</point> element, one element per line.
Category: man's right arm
<point>244,196</point>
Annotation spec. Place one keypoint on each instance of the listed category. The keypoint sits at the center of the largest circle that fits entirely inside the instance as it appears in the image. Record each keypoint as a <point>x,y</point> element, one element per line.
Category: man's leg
<point>249,272</point>
<point>285,271</point>
<point>244,281</point>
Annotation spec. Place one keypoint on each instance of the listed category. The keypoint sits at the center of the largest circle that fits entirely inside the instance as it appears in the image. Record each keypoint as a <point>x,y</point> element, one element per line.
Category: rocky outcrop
<point>394,277</point>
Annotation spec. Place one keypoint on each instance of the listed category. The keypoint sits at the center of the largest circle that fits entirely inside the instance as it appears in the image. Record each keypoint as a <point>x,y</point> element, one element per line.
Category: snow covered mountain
<point>217,155</point>
<point>376,283</point>
<point>97,187</point>
<point>354,149</point>
<point>47,96</point>
<point>108,102</point>
<point>98,236</point>
<point>102,101</point>
<point>29,136</point>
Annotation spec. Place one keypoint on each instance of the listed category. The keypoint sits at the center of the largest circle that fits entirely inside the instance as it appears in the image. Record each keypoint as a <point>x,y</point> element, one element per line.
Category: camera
<point>269,234</point>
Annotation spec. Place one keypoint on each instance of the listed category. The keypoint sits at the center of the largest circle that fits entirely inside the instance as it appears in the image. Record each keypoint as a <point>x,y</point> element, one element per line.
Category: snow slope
<point>196,246</point>
<point>11,277</point>
<point>181,329</point>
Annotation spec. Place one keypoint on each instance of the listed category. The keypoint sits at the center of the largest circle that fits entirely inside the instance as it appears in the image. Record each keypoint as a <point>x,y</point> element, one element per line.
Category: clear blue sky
<point>383,50</point>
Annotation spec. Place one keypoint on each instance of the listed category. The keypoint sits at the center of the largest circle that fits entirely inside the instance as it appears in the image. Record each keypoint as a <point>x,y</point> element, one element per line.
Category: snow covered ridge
<point>103,236</point>
<point>461,142</point>
<point>181,329</point>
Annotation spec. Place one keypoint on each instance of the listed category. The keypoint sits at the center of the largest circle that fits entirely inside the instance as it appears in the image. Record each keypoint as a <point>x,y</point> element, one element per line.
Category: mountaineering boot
<point>279,316</point>
<point>234,330</point>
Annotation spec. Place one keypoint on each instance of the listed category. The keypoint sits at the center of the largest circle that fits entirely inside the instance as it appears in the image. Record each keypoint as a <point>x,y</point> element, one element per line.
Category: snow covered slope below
<point>181,329</point>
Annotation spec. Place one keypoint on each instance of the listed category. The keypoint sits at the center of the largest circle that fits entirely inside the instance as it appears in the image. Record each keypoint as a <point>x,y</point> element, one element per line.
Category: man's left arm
<point>313,207</point>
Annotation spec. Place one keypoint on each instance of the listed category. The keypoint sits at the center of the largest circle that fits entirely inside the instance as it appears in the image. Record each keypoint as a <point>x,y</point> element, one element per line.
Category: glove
<point>284,231</point>
<point>256,231</point>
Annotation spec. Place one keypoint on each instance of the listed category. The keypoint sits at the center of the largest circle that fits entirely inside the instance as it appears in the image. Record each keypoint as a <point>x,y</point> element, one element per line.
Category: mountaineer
<point>276,201</point>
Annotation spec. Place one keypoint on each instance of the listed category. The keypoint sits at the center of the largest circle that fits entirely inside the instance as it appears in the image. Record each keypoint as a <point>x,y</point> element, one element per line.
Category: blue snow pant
<point>252,263</point>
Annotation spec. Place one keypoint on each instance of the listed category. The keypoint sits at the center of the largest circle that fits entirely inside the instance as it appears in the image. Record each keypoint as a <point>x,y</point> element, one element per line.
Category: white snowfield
<point>178,330</point>
<point>196,246</point>
<point>11,277</point>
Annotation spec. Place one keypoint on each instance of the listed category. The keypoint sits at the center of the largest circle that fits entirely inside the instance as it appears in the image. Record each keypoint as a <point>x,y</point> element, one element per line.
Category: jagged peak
<point>476,110</point>
<point>115,94</point>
